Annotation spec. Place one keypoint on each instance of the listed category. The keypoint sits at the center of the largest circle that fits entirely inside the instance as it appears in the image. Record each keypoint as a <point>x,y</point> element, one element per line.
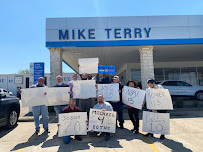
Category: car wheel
<point>12,118</point>
<point>199,95</point>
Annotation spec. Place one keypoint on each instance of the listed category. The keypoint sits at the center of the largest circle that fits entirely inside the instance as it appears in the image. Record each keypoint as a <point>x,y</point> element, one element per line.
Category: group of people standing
<point>84,105</point>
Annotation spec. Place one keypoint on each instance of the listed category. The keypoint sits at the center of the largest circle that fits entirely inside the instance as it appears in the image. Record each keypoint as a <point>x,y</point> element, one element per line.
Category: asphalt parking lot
<point>185,124</point>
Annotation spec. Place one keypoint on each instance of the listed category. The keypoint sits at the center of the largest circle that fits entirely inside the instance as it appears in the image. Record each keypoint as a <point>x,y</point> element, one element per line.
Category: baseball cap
<point>116,77</point>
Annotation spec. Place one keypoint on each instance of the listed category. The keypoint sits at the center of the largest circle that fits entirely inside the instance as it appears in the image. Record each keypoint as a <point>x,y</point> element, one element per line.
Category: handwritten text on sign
<point>156,123</point>
<point>102,121</point>
<point>73,123</point>
<point>110,92</point>
<point>159,99</point>
<point>84,89</point>
<point>133,97</point>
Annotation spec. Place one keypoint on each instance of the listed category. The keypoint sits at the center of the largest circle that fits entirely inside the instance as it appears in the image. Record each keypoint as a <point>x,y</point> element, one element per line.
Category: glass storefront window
<point>135,75</point>
<point>159,74</point>
<point>189,75</point>
<point>172,73</point>
<point>200,75</point>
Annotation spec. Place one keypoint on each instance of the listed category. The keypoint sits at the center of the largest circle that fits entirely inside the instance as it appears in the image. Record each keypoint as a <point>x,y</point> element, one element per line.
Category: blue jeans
<point>58,109</point>
<point>40,110</point>
<point>66,139</point>
<point>118,107</point>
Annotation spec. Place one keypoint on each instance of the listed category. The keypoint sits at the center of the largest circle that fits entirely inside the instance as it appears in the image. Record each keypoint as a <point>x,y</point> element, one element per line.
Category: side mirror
<point>2,96</point>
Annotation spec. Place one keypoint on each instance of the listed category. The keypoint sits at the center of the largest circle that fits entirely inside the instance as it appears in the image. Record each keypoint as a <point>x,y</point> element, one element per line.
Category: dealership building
<point>140,47</point>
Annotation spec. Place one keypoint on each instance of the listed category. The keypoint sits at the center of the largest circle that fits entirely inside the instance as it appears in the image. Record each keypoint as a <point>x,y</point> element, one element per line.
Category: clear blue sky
<point>22,23</point>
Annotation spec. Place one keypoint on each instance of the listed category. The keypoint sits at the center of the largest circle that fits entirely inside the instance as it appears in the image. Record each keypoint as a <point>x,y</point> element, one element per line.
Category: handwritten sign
<point>158,99</point>
<point>73,123</point>
<point>33,97</point>
<point>109,91</point>
<point>156,123</point>
<point>88,65</point>
<point>84,89</point>
<point>133,97</point>
<point>57,96</point>
<point>102,121</point>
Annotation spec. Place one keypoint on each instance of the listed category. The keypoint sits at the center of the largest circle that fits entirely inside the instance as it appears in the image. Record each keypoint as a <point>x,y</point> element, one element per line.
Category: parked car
<point>181,88</point>
<point>5,92</point>
<point>9,111</point>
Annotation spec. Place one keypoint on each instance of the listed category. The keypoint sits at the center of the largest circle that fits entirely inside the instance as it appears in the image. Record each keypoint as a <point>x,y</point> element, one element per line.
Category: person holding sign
<point>151,85</point>
<point>85,104</point>
<point>71,108</point>
<point>60,83</point>
<point>40,110</point>
<point>118,106</point>
<point>105,79</point>
<point>104,106</point>
<point>133,113</point>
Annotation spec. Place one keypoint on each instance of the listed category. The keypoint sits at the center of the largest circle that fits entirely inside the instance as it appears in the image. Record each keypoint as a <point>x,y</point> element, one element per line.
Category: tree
<point>26,71</point>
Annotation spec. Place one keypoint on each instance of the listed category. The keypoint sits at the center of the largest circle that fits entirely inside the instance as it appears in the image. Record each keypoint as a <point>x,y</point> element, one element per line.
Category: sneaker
<point>37,132</point>
<point>162,137</point>
<point>136,132</point>
<point>107,138</point>
<point>121,126</point>
<point>149,134</point>
<point>47,131</point>
<point>78,138</point>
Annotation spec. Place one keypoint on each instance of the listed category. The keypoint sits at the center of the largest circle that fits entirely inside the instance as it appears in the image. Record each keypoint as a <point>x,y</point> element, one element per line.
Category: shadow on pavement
<point>4,131</point>
<point>34,140</point>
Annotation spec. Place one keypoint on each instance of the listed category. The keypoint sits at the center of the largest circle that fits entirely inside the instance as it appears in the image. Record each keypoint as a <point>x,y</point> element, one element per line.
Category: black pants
<point>134,117</point>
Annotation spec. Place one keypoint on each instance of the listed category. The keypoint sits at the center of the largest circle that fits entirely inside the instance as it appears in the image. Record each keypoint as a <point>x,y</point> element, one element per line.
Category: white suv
<point>181,88</point>
<point>5,92</point>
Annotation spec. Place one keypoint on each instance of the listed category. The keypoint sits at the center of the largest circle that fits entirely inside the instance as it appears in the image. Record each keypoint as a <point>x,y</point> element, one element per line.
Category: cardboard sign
<point>57,96</point>
<point>88,65</point>
<point>73,123</point>
<point>33,97</point>
<point>102,121</point>
<point>110,92</point>
<point>84,89</point>
<point>156,123</point>
<point>158,99</point>
<point>133,97</point>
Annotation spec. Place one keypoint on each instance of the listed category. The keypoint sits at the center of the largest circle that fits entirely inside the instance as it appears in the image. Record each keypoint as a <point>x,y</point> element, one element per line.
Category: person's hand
<point>103,109</point>
<point>69,92</point>
<point>122,89</point>
<point>156,87</point>
<point>154,111</point>
<point>20,91</point>
<point>45,93</point>
<point>96,86</point>
<point>72,86</point>
<point>58,124</point>
<point>91,130</point>
<point>86,121</point>
<point>143,104</point>
<point>119,91</point>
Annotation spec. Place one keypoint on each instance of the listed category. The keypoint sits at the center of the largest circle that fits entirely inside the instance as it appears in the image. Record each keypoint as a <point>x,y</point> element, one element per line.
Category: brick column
<point>55,64</point>
<point>147,64</point>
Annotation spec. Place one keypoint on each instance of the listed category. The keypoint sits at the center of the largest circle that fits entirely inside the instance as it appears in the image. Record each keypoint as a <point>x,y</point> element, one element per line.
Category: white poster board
<point>133,97</point>
<point>156,123</point>
<point>57,96</point>
<point>110,92</point>
<point>84,89</point>
<point>73,123</point>
<point>33,97</point>
<point>88,65</point>
<point>158,99</point>
<point>102,121</point>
